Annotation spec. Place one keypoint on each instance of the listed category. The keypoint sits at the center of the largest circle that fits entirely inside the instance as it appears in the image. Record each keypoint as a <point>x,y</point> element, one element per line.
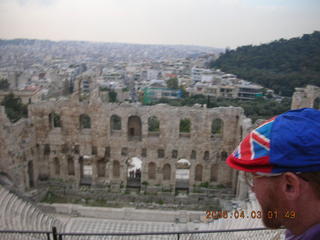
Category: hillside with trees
<point>281,65</point>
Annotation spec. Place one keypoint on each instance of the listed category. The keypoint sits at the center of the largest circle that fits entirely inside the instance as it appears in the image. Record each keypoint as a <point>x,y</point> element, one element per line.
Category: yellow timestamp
<point>289,214</point>
<point>237,214</point>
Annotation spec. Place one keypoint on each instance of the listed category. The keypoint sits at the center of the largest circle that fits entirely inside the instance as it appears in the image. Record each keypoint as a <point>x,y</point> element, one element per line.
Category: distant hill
<point>95,51</point>
<point>281,65</point>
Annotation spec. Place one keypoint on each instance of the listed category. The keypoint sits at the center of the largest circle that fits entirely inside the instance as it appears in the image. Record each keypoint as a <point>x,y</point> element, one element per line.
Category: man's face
<point>266,193</point>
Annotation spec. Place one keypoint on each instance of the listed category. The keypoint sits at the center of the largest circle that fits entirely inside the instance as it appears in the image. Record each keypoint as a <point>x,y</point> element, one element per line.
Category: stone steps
<point>18,214</point>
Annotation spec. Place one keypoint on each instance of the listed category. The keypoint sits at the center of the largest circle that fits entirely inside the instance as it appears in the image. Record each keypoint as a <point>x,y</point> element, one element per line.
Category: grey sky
<point>216,23</point>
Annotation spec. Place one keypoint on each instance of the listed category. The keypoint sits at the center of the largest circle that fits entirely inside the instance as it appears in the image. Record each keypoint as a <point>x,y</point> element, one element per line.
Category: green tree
<point>14,108</point>
<point>281,65</point>
<point>112,96</point>
<point>153,124</point>
<point>173,83</point>
<point>185,125</point>
<point>4,84</point>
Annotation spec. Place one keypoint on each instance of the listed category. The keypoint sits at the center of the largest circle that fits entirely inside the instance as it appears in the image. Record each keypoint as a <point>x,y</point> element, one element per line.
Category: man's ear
<point>290,185</point>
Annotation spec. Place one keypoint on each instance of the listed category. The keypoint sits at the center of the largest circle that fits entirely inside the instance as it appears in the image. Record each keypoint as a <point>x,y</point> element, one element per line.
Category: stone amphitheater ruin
<point>85,149</point>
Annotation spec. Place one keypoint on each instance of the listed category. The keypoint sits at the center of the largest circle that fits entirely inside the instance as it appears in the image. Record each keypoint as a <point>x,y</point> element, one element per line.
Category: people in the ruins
<point>138,174</point>
<point>281,161</point>
<point>131,174</point>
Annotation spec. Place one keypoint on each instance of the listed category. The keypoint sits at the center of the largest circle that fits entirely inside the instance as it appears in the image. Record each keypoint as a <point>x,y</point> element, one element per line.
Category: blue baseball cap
<point>289,142</point>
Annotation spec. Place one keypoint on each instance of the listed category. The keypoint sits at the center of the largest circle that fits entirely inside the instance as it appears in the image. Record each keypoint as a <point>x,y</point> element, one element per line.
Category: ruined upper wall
<point>100,134</point>
<point>30,148</point>
<point>17,149</point>
<point>306,97</point>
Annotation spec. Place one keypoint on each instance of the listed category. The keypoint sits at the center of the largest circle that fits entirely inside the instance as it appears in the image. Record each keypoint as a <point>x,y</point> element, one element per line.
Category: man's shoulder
<point>313,233</point>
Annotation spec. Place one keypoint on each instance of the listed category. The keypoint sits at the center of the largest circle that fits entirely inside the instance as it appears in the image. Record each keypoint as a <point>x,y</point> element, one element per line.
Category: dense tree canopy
<point>173,83</point>
<point>4,84</point>
<point>112,96</point>
<point>281,65</point>
<point>255,109</point>
<point>15,109</point>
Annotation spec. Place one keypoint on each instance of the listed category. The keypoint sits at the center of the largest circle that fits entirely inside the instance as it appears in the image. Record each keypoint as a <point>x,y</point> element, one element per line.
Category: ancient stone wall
<point>92,143</point>
<point>18,154</point>
<point>67,150</point>
<point>306,97</point>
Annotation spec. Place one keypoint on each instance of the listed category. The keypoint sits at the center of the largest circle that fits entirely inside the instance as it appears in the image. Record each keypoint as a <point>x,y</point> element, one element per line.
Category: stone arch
<point>70,166</point>
<point>54,120</point>
<point>46,149</point>
<point>116,169</point>
<point>198,172</point>
<point>153,124</point>
<point>167,171</point>
<point>134,128</point>
<point>193,154</point>
<point>56,164</point>
<point>86,171</point>
<point>183,174</point>
<point>134,172</point>
<point>152,170</point>
<point>217,126</point>
<point>316,103</point>
<point>115,123</point>
<point>214,173</point>
<point>85,121</point>
<point>206,156</point>
<point>101,166</point>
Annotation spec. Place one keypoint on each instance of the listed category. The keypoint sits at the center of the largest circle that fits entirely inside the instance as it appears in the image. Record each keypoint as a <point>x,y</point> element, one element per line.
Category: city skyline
<point>213,23</point>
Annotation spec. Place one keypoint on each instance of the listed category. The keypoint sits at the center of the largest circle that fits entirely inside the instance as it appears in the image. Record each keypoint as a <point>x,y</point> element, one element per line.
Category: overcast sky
<point>216,23</point>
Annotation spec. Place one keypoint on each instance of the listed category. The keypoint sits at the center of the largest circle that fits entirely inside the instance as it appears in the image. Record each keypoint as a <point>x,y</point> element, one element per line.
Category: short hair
<point>314,179</point>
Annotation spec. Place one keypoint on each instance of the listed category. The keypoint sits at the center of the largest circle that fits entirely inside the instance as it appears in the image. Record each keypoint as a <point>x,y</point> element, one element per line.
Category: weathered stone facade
<point>308,97</point>
<point>79,142</point>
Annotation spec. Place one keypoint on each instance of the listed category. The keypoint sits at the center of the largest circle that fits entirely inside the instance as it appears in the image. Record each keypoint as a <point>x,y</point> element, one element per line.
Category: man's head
<point>281,159</point>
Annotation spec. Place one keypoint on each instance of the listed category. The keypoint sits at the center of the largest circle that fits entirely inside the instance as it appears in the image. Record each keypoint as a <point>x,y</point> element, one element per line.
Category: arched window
<point>185,125</point>
<point>214,173</point>
<point>46,150</point>
<point>217,126</point>
<point>54,120</point>
<point>56,163</point>
<point>224,156</point>
<point>101,165</point>
<point>206,156</point>
<point>174,154</point>
<point>152,170</point>
<point>70,166</point>
<point>198,173</point>
<point>153,124</point>
<point>116,169</point>
<point>193,154</point>
<point>167,172</point>
<point>161,153</point>
<point>107,152</point>
<point>134,128</point>
<point>115,122</point>
<point>316,103</point>
<point>144,152</point>
<point>85,121</point>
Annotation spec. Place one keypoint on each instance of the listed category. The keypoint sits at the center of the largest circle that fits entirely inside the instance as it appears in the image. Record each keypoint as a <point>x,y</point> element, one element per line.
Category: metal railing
<point>236,234</point>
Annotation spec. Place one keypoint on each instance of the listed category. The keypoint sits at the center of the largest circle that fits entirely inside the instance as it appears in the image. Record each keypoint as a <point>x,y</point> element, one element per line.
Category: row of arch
<point>166,171</point>
<point>134,124</point>
<point>151,173</point>
<point>161,153</point>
